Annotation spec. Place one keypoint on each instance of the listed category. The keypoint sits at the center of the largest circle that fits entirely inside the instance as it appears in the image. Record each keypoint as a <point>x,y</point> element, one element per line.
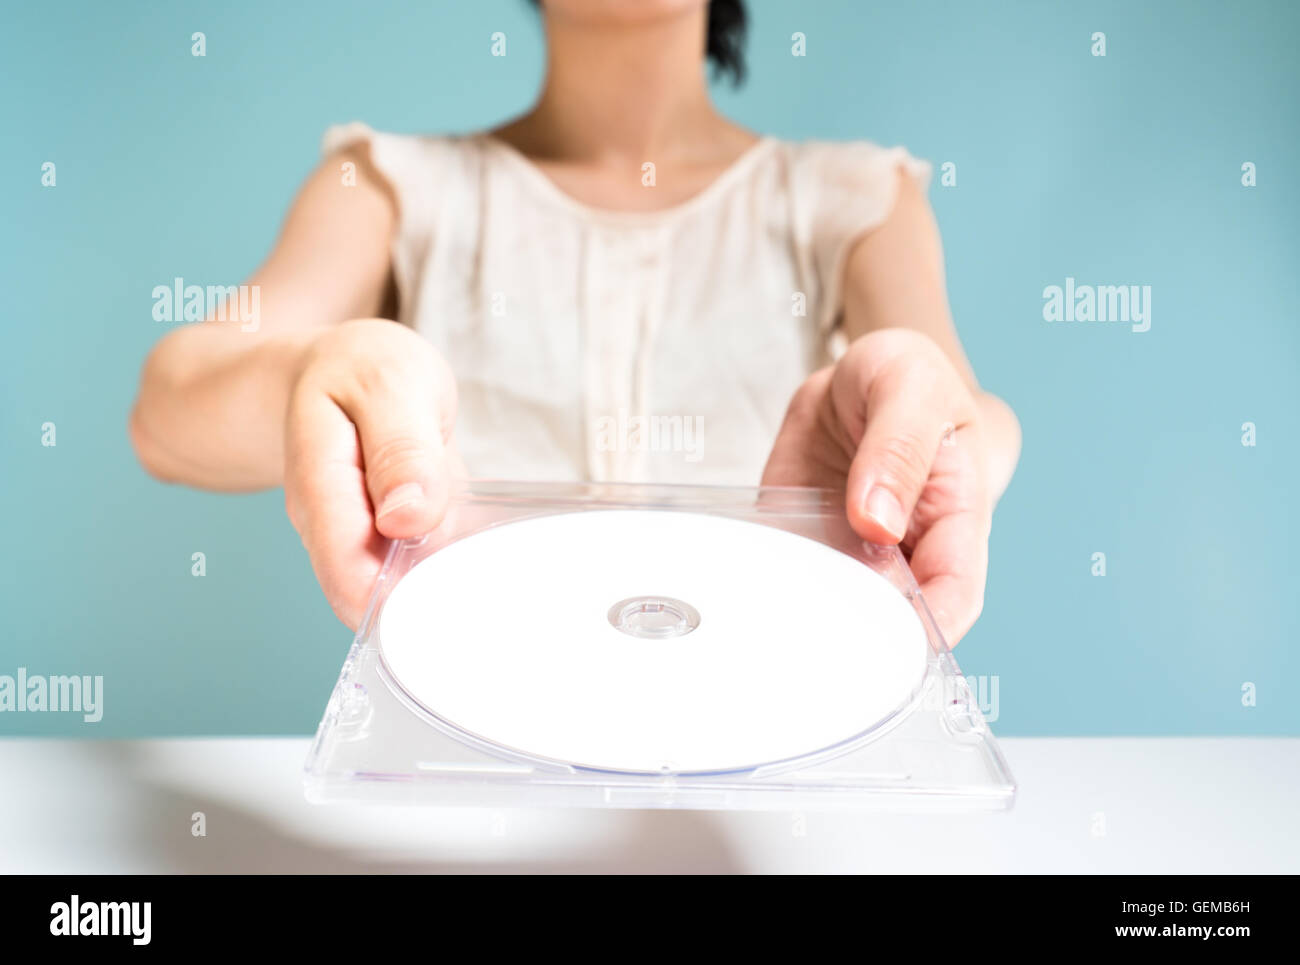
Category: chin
<point>626,12</point>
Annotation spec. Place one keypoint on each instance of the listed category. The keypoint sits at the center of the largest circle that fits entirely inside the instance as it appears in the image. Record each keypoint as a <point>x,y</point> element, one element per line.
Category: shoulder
<point>843,190</point>
<point>844,193</point>
<point>423,176</point>
<point>847,171</point>
<point>398,155</point>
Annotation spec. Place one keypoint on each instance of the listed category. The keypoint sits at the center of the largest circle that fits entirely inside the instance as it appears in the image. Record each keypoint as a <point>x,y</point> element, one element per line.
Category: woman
<point>620,252</point>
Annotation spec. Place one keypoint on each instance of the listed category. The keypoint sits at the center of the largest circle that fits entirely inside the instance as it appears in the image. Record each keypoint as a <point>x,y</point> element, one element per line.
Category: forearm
<point>210,410</point>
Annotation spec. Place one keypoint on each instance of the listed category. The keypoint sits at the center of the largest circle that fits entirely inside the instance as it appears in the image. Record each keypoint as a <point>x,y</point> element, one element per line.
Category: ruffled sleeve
<point>411,165</point>
<point>844,190</point>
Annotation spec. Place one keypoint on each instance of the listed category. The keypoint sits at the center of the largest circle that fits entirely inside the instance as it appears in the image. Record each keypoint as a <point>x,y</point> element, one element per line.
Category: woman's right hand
<point>368,451</point>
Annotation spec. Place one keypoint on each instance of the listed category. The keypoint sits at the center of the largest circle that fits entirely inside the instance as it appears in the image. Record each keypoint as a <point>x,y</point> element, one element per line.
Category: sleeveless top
<point>596,344</point>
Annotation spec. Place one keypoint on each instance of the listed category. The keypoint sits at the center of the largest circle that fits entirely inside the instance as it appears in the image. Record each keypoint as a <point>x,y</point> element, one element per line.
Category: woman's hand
<point>368,451</point>
<point>895,426</point>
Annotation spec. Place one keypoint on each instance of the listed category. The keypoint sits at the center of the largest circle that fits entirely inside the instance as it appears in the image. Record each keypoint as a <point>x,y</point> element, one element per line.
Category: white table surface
<point>1185,805</point>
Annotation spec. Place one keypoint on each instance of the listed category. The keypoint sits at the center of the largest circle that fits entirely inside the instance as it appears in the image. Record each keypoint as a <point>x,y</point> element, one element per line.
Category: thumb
<point>904,430</point>
<point>404,450</point>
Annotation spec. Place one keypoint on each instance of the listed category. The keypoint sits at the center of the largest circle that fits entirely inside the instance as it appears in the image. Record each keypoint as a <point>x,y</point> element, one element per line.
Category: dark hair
<point>725,45</point>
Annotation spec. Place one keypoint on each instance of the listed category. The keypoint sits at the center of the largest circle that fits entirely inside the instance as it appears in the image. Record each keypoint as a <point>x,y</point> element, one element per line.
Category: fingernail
<point>884,507</point>
<point>404,495</point>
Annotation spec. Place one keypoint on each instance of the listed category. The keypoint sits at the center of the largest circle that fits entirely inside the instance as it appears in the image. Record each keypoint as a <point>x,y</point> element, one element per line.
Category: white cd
<point>643,640</point>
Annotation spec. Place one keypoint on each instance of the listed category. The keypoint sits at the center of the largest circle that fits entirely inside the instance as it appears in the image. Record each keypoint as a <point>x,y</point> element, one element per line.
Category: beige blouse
<point>626,346</point>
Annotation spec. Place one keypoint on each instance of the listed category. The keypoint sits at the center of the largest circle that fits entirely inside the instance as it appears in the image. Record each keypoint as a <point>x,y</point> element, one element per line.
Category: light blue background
<point>1122,170</point>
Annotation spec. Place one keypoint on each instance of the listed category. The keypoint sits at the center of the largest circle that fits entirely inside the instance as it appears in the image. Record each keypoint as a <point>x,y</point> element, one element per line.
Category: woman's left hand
<point>894,426</point>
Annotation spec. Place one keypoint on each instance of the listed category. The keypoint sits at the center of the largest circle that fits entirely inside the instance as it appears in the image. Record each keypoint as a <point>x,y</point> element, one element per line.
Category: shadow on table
<point>251,842</point>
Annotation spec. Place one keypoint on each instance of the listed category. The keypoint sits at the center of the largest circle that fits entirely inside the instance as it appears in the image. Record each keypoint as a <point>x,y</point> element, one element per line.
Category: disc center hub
<point>654,617</point>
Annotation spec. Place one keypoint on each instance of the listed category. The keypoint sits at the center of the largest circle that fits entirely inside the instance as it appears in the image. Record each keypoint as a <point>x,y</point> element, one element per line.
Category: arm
<point>894,278</point>
<point>899,422</point>
<point>210,396</point>
<point>351,413</point>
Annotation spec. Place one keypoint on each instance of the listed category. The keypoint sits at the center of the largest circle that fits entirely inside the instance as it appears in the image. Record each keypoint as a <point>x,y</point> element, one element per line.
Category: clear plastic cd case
<point>377,742</point>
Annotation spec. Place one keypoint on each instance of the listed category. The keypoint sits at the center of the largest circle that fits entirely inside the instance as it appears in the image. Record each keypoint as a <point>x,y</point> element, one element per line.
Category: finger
<point>327,502</point>
<point>950,563</point>
<point>404,422</point>
<point>800,456</point>
<point>908,412</point>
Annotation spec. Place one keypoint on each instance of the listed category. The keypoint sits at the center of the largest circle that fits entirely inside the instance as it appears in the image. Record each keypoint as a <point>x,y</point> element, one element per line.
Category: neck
<point>623,92</point>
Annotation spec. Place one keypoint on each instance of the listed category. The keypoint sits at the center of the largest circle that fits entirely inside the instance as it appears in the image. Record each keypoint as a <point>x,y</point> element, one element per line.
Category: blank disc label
<point>644,640</point>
